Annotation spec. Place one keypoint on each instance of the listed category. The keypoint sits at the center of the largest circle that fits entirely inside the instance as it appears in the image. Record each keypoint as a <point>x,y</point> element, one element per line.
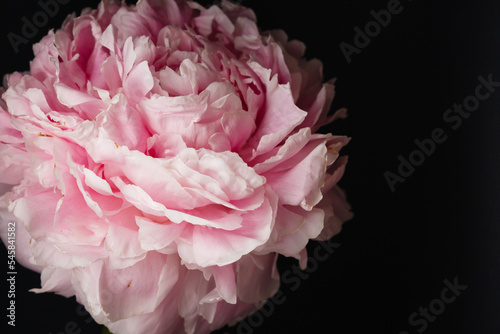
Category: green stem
<point>105,330</point>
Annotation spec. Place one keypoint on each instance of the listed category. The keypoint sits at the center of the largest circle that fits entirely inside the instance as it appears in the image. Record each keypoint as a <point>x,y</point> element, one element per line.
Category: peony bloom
<point>158,158</point>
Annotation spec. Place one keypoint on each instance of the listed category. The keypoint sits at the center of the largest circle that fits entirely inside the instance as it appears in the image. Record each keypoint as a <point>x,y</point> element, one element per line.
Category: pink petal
<point>157,236</point>
<point>138,83</point>
<point>280,114</point>
<point>298,181</point>
<point>228,246</point>
<point>124,247</point>
<point>337,211</point>
<point>128,292</point>
<point>23,249</point>
<point>124,125</point>
<point>258,277</point>
<point>291,244</point>
<point>56,280</point>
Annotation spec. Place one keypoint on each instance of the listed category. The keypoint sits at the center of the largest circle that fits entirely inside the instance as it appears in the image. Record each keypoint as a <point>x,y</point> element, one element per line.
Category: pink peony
<point>159,157</point>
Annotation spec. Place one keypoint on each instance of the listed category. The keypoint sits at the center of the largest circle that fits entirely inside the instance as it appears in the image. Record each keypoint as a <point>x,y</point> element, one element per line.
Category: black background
<point>441,223</point>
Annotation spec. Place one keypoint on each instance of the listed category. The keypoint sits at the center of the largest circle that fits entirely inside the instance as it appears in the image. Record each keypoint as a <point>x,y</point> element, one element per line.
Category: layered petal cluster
<point>158,157</point>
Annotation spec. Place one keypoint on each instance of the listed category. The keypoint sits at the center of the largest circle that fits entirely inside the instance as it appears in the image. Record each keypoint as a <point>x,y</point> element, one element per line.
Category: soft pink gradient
<point>158,158</point>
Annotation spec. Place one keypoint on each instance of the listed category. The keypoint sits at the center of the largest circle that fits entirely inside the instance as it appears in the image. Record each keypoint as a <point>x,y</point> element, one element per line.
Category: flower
<point>160,156</point>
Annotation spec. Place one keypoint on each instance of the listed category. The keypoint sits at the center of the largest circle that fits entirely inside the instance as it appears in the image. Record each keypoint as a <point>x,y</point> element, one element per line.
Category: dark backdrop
<point>404,247</point>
